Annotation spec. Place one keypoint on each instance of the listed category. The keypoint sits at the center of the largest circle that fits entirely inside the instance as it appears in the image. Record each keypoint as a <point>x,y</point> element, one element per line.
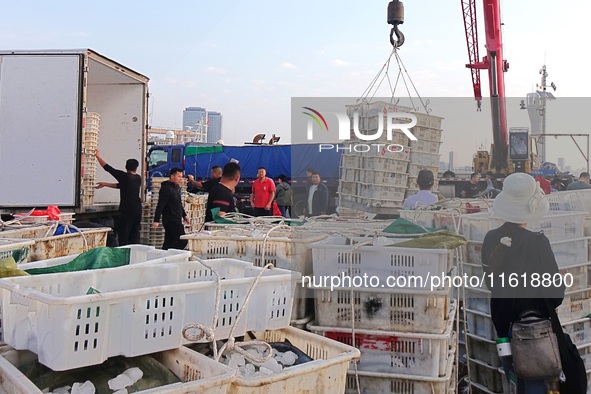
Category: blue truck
<point>291,160</point>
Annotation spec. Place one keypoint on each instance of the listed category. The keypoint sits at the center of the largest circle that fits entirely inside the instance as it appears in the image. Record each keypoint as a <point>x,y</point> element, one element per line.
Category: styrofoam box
<point>402,310</point>
<point>10,245</point>
<point>567,253</point>
<point>579,330</point>
<point>326,374</point>
<point>485,375</point>
<point>397,352</point>
<point>380,257</point>
<point>557,226</point>
<point>198,373</point>
<point>483,349</point>
<point>385,383</point>
<point>140,309</point>
<point>481,325</point>
<point>286,249</point>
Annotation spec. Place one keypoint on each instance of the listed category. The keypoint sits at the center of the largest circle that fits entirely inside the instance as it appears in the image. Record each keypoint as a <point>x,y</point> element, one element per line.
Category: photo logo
<point>344,125</point>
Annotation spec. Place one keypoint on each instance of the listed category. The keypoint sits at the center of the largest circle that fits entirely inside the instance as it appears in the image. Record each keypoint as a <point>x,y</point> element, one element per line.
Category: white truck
<point>50,105</point>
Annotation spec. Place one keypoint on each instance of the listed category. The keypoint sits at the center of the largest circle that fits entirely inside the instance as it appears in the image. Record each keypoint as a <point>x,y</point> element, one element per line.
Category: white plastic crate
<point>575,305</point>
<point>350,174</point>
<point>64,217</point>
<point>404,311</point>
<point>485,375</point>
<point>424,158</point>
<point>477,299</point>
<point>480,324</point>
<point>11,247</point>
<point>567,253</point>
<point>383,177</point>
<point>347,187</point>
<point>385,383</point>
<point>287,249</point>
<point>425,145</point>
<point>51,246</point>
<point>351,160</point>
<point>579,330</point>
<point>326,374</point>
<point>140,309</point>
<point>382,192</point>
<point>414,169</point>
<point>380,257</point>
<point>138,254</point>
<point>570,200</point>
<point>198,374</point>
<point>482,349</point>
<point>585,352</point>
<point>412,183</point>
<point>557,226</point>
<point>397,352</point>
<point>385,164</point>
<point>427,133</point>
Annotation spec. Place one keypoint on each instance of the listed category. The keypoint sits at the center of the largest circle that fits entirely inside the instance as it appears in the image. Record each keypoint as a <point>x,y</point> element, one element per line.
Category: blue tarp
<point>291,160</point>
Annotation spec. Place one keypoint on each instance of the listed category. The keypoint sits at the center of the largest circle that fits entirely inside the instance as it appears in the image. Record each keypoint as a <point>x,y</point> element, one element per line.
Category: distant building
<point>451,161</point>
<point>214,127</point>
<point>193,117</point>
<point>560,163</point>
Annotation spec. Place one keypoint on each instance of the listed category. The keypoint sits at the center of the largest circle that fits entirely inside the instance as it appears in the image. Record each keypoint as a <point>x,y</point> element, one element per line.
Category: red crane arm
<point>471,30</point>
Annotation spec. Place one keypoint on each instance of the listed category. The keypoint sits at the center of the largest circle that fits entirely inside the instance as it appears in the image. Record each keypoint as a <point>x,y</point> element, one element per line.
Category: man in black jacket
<point>171,208</point>
<point>129,184</point>
<point>317,203</point>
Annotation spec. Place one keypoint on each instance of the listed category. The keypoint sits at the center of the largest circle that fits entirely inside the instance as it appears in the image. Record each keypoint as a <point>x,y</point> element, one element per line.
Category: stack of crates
<point>155,236</point>
<point>570,246</point>
<point>424,152</point>
<point>375,173</point>
<point>195,208</point>
<point>90,135</point>
<point>405,332</point>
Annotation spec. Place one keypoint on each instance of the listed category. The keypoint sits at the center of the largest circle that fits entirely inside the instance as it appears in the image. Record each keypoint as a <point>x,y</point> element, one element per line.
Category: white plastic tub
<point>326,374</point>
<point>397,352</point>
<point>379,257</point>
<point>140,309</point>
<point>198,374</point>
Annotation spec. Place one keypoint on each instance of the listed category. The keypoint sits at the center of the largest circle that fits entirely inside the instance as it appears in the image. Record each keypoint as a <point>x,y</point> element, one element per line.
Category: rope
<point>209,332</point>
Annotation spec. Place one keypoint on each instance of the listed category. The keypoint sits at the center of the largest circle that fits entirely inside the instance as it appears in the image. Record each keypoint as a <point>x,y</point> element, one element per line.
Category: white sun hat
<point>522,200</point>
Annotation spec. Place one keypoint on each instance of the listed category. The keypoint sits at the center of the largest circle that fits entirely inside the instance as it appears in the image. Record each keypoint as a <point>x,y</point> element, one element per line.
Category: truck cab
<point>162,158</point>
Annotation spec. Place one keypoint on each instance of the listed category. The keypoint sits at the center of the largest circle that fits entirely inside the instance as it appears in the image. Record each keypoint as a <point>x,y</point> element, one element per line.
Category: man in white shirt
<point>424,196</point>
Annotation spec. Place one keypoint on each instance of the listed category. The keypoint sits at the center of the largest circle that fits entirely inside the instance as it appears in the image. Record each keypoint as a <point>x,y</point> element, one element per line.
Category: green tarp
<point>102,257</point>
<point>404,226</point>
<point>198,150</point>
<point>436,240</point>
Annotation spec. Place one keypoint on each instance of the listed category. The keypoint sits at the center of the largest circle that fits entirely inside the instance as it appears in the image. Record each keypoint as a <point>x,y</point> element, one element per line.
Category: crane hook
<point>395,18</point>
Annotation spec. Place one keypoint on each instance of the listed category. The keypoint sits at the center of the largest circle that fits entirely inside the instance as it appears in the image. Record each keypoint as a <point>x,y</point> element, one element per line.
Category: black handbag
<point>573,365</point>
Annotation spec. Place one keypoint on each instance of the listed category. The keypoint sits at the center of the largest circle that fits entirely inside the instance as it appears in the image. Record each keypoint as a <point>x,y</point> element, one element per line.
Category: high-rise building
<point>214,127</point>
<point>192,116</point>
<point>560,163</point>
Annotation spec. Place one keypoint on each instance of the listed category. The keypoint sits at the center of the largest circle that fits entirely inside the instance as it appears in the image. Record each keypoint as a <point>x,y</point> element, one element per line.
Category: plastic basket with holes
<point>379,256</point>
<point>285,248</point>
<point>138,309</point>
<point>196,372</point>
<point>397,352</point>
<point>50,246</point>
<point>324,374</point>
<point>404,311</point>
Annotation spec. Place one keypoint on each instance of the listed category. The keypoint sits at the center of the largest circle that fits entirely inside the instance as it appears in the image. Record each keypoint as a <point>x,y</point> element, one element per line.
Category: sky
<point>247,59</point>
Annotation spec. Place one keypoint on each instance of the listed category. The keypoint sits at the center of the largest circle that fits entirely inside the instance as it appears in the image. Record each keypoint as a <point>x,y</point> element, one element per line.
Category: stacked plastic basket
<point>195,208</point>
<point>565,231</point>
<point>90,136</point>
<point>403,328</point>
<point>375,174</point>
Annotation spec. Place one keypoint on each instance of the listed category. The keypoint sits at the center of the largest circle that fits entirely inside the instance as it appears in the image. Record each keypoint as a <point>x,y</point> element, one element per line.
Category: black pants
<point>173,229</point>
<point>129,228</point>
<point>262,212</point>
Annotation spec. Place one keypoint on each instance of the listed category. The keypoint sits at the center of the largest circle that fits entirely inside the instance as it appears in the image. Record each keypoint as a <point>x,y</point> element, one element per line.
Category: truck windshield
<point>157,158</point>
